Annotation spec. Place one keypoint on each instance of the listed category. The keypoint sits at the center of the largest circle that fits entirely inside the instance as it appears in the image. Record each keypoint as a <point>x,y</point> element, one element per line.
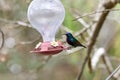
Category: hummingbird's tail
<point>83,46</point>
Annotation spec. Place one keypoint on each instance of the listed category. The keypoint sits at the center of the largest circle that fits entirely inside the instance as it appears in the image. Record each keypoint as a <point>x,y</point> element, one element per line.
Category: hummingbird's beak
<point>84,46</point>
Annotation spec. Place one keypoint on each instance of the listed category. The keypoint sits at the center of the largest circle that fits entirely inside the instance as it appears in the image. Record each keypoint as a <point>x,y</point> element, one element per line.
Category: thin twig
<point>29,42</point>
<point>82,68</point>
<point>7,21</point>
<point>21,23</point>
<point>107,63</point>
<point>94,12</point>
<point>112,74</point>
<point>82,31</point>
<point>83,22</point>
<point>3,39</point>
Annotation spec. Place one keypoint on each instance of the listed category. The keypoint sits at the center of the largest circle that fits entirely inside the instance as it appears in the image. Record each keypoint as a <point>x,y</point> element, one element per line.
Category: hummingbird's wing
<point>77,43</point>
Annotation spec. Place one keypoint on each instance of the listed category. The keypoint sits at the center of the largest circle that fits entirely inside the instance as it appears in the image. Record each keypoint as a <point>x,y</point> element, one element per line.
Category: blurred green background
<point>17,63</point>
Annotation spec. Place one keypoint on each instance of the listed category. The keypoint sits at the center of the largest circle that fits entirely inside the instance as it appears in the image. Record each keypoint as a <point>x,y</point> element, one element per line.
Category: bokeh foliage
<point>64,67</point>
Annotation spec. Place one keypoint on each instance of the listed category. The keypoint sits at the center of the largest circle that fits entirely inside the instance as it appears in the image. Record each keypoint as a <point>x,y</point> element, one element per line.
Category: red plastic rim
<point>46,48</point>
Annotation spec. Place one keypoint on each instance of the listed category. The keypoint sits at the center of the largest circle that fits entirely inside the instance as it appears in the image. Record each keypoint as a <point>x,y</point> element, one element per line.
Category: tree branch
<point>112,74</point>
<point>94,12</point>
<point>97,27</point>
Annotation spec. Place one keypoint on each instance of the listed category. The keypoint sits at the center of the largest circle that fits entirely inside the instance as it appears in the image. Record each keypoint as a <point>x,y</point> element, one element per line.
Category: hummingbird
<point>73,41</point>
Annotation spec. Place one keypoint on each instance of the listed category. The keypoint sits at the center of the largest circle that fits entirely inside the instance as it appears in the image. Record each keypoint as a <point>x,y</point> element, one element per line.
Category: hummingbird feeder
<point>46,16</point>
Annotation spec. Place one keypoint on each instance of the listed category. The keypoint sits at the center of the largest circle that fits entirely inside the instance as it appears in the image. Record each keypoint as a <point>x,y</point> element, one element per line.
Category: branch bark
<point>97,27</point>
<point>3,40</point>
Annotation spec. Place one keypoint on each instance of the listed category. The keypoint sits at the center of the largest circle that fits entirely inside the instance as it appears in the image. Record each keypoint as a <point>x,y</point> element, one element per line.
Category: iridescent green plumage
<point>72,41</point>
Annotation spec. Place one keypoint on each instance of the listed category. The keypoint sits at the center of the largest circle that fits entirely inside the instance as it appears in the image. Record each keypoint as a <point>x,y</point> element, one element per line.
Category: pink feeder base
<point>46,48</point>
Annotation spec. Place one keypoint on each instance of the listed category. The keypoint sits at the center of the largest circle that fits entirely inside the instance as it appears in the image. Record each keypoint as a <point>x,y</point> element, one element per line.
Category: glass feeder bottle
<point>46,16</point>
